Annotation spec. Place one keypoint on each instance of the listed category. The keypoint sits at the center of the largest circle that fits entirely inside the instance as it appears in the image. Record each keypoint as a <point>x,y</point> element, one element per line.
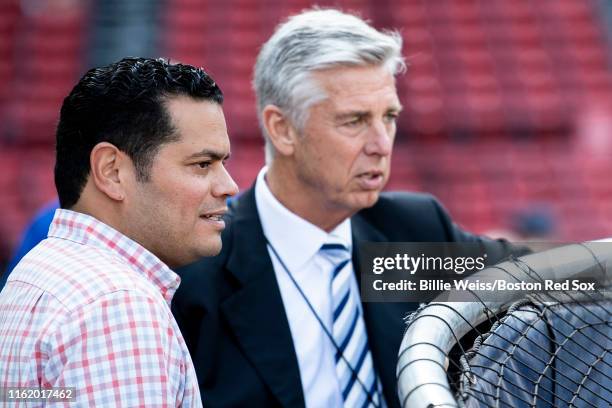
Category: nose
<point>225,185</point>
<point>380,141</point>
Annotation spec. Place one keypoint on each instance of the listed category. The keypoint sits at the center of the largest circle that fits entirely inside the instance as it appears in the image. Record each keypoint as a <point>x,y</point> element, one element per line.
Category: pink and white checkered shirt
<point>89,308</point>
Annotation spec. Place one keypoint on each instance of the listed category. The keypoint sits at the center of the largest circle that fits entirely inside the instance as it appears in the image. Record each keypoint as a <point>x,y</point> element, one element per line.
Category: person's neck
<point>94,204</point>
<point>300,200</point>
<point>97,213</point>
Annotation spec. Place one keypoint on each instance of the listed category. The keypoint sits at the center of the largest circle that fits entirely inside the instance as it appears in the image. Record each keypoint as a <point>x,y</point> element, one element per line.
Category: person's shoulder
<point>408,216</point>
<point>123,303</point>
<point>404,204</point>
<point>76,274</point>
<point>119,329</point>
<point>403,198</point>
<point>133,316</point>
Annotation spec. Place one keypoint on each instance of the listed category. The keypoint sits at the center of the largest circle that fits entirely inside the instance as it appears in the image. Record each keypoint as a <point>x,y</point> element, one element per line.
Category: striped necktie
<point>358,381</point>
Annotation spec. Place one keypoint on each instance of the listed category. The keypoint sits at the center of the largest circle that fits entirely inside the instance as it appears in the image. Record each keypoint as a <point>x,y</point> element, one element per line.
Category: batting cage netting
<point>546,349</point>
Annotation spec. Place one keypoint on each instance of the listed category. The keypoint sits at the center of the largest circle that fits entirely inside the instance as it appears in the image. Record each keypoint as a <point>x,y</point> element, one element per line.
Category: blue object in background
<point>34,233</point>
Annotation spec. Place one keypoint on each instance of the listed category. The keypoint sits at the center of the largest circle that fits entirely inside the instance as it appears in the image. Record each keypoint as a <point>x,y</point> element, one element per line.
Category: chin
<point>361,203</point>
<point>368,199</point>
<point>212,248</point>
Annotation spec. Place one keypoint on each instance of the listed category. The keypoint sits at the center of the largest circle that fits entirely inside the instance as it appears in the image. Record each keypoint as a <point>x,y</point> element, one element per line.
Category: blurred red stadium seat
<point>491,97</point>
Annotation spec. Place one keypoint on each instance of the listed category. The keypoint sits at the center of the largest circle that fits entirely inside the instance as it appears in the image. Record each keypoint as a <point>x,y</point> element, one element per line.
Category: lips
<point>215,218</point>
<point>371,174</point>
<point>215,213</point>
<point>371,180</point>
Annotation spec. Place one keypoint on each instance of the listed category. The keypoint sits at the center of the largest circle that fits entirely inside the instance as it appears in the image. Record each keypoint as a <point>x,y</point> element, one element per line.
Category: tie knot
<point>333,247</point>
<point>335,252</point>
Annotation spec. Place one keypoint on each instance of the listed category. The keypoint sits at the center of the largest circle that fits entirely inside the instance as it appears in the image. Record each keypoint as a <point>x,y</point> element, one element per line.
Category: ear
<point>280,129</point>
<point>107,166</point>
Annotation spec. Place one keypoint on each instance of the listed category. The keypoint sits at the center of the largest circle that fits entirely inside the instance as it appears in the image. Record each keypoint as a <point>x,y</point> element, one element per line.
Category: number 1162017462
<point>54,394</point>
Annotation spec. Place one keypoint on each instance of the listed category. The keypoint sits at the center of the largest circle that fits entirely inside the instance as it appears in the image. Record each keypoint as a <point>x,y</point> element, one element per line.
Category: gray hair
<point>310,41</point>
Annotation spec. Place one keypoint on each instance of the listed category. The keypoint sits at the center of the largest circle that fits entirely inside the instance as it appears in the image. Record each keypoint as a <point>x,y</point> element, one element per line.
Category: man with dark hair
<point>141,147</point>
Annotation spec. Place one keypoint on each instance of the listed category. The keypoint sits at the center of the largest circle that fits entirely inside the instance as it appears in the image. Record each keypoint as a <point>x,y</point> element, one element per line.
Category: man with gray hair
<point>277,319</point>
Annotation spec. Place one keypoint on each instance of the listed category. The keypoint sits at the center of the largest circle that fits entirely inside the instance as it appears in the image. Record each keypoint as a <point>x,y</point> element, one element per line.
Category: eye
<point>354,122</point>
<point>391,117</point>
<point>203,164</point>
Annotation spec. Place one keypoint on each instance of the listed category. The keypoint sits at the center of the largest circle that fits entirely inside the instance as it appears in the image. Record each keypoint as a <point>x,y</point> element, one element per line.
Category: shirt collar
<point>87,230</point>
<point>295,239</point>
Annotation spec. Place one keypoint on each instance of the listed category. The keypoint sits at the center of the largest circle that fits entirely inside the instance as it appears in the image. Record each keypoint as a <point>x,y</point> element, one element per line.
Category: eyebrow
<point>212,154</point>
<point>351,114</point>
<point>346,115</point>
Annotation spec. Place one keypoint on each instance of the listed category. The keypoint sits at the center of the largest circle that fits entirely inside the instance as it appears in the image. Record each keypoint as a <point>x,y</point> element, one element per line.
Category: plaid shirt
<point>89,308</point>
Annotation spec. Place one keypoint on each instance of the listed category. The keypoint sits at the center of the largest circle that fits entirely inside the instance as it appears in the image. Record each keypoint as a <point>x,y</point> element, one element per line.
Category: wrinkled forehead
<point>351,84</point>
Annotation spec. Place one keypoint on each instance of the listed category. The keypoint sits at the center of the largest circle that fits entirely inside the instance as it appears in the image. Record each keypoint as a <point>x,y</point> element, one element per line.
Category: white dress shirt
<point>297,242</point>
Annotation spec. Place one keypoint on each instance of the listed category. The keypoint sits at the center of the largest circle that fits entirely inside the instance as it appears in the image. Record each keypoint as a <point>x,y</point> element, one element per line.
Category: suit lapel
<point>384,321</point>
<point>363,231</point>
<point>255,312</point>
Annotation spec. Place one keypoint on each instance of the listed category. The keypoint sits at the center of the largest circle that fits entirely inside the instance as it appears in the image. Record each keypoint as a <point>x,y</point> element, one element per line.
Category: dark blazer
<point>230,310</point>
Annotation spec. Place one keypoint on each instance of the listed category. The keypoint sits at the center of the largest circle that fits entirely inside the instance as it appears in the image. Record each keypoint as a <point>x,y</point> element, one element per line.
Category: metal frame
<point>436,328</point>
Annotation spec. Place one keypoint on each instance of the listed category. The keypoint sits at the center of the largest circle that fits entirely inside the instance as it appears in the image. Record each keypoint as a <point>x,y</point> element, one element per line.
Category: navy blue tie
<point>359,383</point>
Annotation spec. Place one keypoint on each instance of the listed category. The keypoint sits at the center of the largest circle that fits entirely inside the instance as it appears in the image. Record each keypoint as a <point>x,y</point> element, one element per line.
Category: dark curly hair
<point>122,104</point>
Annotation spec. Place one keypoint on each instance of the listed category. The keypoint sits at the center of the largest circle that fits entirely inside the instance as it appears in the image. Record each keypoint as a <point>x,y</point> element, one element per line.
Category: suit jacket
<point>231,314</point>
